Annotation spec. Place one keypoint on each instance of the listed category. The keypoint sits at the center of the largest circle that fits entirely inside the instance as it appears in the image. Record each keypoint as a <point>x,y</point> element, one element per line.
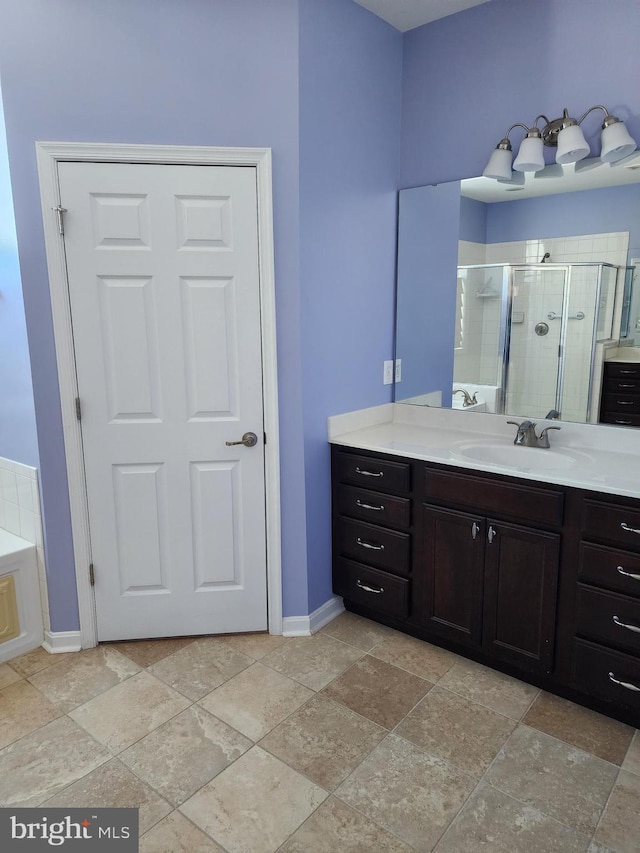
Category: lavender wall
<point>17,416</point>
<point>429,222</point>
<point>350,78</point>
<point>154,71</point>
<point>470,76</point>
<point>473,219</point>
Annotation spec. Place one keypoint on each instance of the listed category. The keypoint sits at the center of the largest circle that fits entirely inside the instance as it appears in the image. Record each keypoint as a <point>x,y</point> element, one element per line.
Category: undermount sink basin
<point>515,456</point>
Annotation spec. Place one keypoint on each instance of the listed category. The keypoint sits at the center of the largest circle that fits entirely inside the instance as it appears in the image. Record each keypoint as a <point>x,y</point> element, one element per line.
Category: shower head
<point>545,256</point>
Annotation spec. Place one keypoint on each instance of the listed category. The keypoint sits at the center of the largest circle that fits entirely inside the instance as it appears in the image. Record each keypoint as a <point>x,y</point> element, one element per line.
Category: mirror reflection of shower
<point>526,336</point>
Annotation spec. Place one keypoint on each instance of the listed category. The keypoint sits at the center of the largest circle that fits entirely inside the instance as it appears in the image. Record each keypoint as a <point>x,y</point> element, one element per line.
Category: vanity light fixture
<point>564,133</point>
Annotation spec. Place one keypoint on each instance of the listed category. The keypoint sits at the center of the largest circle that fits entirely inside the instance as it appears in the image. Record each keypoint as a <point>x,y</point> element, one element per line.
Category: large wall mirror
<point>510,295</point>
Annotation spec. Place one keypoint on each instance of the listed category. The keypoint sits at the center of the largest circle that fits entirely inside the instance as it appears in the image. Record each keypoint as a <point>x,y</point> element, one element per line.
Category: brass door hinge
<point>92,576</point>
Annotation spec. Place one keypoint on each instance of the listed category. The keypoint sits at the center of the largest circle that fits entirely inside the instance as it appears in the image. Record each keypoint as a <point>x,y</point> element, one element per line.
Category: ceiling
<point>407,14</point>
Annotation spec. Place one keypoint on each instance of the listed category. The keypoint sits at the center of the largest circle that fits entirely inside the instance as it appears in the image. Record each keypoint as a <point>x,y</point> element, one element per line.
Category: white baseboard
<point>58,642</point>
<point>304,626</point>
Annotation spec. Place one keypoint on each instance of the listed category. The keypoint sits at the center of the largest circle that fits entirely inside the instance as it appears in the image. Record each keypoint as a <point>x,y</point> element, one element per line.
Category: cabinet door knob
<point>491,534</point>
<point>475,529</point>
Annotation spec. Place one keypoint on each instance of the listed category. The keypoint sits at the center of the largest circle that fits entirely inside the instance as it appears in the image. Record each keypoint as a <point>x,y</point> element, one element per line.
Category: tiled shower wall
<point>20,514</point>
<point>480,351</point>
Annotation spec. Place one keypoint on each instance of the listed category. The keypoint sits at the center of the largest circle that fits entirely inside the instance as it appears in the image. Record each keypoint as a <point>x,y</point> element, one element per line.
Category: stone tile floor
<point>357,739</point>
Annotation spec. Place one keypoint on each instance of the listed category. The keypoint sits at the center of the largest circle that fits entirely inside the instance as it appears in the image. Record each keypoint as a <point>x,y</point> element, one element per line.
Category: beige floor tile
<point>379,691</point>
<point>44,762</point>
<point>501,693</point>
<point>356,630</point>
<point>113,786</point>
<point>411,794</point>
<point>32,662</point>
<point>256,700</point>
<point>619,827</point>
<point>594,847</point>
<point>562,781</point>
<point>147,652</point>
<point>242,808</point>
<point>80,677</point>
<point>313,661</point>
<point>462,732</point>
<point>176,834</point>
<point>8,675</point>
<point>129,711</point>
<point>416,656</point>
<point>492,822</point>
<point>632,761</point>
<point>336,827</point>
<point>200,667</point>
<point>581,727</point>
<point>22,710</point>
<point>324,740</point>
<point>254,645</point>
<point>182,755</point>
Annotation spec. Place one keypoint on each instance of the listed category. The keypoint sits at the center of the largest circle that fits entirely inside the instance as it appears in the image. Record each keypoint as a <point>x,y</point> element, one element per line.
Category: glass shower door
<point>533,362</point>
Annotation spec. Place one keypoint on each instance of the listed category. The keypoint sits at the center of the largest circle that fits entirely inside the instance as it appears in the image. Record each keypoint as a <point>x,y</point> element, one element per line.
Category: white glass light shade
<point>499,165</point>
<point>572,146</point>
<point>530,156</point>
<point>616,143</point>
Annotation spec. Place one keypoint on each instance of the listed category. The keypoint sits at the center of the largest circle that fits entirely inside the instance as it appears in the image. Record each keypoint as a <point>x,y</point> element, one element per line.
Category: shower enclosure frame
<point>506,308</point>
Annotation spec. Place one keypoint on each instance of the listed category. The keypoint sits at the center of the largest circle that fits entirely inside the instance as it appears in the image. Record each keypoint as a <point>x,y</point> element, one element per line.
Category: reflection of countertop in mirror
<point>623,354</point>
<point>598,458</point>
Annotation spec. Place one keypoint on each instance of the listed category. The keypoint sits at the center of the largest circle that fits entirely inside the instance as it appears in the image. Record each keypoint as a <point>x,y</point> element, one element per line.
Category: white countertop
<point>626,355</point>
<point>608,458</point>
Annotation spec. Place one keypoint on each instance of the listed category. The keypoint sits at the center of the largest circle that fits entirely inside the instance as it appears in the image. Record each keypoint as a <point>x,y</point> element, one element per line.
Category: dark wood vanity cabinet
<point>538,580</point>
<point>620,400</point>
<point>488,582</point>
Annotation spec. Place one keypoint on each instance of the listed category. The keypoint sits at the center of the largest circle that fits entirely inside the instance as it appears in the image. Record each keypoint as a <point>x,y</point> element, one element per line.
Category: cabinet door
<point>521,570</point>
<point>451,574</point>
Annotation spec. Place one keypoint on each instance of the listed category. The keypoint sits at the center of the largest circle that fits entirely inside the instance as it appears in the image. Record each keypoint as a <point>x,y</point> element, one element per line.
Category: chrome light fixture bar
<point>564,133</point>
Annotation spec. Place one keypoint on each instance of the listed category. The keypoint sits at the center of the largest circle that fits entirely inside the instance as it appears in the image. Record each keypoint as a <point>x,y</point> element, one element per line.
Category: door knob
<point>249,439</point>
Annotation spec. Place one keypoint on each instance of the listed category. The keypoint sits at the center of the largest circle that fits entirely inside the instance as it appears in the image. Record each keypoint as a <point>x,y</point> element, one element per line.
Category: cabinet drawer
<point>380,474</point>
<point>495,498</point>
<point>609,618</point>
<point>371,587</point>
<point>619,525</point>
<point>606,674</point>
<point>622,403</point>
<point>620,418</point>
<point>374,545</point>
<point>620,385</point>
<point>621,370</point>
<point>374,507</point>
<point>615,570</point>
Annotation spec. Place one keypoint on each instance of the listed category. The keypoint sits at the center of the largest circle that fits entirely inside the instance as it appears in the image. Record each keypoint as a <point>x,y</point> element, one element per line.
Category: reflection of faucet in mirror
<point>553,415</point>
<point>468,399</point>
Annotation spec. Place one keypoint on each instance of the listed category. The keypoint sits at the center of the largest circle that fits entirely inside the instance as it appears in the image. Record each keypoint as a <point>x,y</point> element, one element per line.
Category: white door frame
<point>49,154</point>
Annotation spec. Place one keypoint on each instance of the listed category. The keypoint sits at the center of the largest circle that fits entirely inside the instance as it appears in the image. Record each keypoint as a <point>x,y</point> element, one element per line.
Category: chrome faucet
<point>468,399</point>
<point>526,434</point>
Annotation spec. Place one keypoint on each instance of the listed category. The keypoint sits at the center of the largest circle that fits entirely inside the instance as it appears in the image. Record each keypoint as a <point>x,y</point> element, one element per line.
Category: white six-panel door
<point>162,264</point>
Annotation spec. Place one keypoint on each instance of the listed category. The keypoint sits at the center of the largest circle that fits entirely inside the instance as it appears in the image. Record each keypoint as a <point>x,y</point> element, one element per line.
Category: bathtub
<point>20,607</point>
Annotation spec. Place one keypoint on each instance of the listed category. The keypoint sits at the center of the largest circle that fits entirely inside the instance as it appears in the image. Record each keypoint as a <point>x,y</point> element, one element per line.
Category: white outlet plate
<point>388,372</point>
<point>398,370</point>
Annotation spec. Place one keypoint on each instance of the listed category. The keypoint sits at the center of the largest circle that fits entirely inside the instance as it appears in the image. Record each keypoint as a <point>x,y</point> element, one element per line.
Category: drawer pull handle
<point>620,624</point>
<point>368,588</point>
<point>627,574</point>
<point>624,684</point>
<point>369,473</point>
<point>626,385</point>
<point>474,530</point>
<point>622,422</point>
<point>624,402</point>
<point>628,529</point>
<point>628,372</point>
<point>491,534</point>
<point>370,506</point>
<point>369,545</point>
